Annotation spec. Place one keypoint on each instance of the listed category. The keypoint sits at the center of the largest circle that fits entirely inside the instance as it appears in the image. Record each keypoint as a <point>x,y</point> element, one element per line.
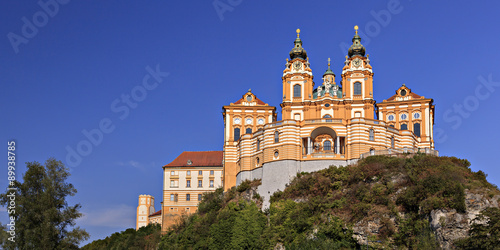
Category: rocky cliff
<point>408,202</point>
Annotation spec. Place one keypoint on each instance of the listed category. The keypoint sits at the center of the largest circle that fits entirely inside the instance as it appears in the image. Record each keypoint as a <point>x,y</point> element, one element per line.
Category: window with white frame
<point>357,88</point>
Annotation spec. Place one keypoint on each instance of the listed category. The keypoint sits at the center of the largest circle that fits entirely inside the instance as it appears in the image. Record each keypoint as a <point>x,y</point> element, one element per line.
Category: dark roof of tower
<point>298,51</point>
<point>356,47</point>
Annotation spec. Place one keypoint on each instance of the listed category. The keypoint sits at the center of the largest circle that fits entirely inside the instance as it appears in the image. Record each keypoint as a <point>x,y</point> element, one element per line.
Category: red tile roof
<point>157,213</point>
<point>257,99</point>
<point>198,159</point>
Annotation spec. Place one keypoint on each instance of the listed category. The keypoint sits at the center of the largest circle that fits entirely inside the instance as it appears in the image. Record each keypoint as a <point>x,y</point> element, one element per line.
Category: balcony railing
<point>329,152</point>
<point>400,151</point>
<point>324,120</point>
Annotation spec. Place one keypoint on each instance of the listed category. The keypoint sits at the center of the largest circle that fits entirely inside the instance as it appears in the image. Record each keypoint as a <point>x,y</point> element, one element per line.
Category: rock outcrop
<point>449,225</point>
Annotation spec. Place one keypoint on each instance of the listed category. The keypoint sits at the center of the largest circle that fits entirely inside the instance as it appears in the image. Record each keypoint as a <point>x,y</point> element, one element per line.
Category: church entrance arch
<point>322,140</point>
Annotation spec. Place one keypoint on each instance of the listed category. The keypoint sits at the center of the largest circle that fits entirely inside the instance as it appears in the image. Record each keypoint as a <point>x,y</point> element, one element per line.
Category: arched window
<point>357,88</point>
<point>328,116</point>
<point>248,131</point>
<point>258,146</point>
<point>327,145</point>
<point>416,129</point>
<point>372,135</point>
<point>392,142</point>
<point>297,90</point>
<point>276,136</point>
<point>404,126</point>
<point>236,134</point>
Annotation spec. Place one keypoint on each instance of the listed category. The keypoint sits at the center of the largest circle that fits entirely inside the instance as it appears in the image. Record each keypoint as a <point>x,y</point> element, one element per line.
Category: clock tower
<point>298,83</point>
<point>357,80</point>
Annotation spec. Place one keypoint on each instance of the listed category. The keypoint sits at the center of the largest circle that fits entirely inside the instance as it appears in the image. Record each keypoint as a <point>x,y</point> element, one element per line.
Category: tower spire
<point>329,71</point>
<point>356,47</point>
<point>298,51</point>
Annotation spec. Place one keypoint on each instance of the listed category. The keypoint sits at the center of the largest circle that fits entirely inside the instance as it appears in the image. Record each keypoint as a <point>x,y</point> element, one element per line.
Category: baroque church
<point>335,123</point>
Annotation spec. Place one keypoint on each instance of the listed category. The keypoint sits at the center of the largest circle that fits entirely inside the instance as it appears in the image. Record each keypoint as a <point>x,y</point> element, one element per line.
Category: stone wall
<point>275,175</point>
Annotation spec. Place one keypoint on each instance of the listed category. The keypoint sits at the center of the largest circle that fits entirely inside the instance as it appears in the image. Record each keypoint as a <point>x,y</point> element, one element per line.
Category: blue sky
<point>72,70</point>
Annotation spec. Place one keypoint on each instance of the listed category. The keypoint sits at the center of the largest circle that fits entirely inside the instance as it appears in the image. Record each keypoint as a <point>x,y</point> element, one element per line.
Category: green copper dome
<point>356,47</point>
<point>329,71</point>
<point>298,51</point>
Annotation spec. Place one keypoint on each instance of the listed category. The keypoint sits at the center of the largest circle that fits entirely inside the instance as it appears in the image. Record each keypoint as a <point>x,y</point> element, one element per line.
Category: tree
<point>485,232</point>
<point>43,219</point>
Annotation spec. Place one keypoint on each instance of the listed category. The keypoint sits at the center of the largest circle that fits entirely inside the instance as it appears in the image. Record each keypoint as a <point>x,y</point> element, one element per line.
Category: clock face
<point>297,65</point>
<point>356,62</point>
<point>249,98</point>
<point>237,121</point>
<point>248,121</point>
<point>261,121</point>
<point>403,92</point>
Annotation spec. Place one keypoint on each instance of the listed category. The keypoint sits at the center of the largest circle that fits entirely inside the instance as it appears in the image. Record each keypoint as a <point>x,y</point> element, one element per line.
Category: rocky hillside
<point>411,202</point>
<point>420,201</point>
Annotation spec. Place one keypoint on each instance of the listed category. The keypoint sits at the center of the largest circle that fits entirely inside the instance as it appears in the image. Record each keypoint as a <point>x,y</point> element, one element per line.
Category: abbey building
<point>334,121</point>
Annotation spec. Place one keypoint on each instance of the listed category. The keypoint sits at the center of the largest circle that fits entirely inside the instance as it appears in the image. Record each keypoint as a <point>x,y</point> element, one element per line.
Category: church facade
<point>334,123</point>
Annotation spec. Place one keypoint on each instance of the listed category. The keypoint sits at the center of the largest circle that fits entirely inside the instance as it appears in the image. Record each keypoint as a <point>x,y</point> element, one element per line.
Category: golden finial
<point>356,29</point>
<point>249,90</point>
<point>328,62</point>
<point>298,32</point>
<point>287,60</point>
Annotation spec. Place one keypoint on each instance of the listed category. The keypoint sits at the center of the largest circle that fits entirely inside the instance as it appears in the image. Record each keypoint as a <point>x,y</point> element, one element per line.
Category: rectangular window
<point>200,183</point>
<point>297,90</point>
<point>236,134</point>
<point>188,183</point>
<point>172,197</point>
<point>172,172</point>
<point>188,172</point>
<point>174,184</point>
<point>357,88</point>
<point>211,172</point>
<point>211,183</point>
<point>188,197</point>
<point>200,172</point>
<point>199,197</point>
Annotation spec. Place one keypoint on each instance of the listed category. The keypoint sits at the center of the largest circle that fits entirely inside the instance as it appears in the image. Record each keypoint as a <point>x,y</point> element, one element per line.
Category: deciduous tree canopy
<point>43,218</point>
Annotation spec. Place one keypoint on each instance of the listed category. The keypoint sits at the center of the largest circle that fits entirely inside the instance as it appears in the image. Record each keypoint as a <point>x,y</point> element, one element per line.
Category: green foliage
<point>415,233</point>
<point>317,210</point>
<point>331,234</point>
<point>43,218</point>
<point>441,186</point>
<point>244,186</point>
<point>146,238</point>
<point>484,235</point>
<point>239,225</point>
<point>211,202</point>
